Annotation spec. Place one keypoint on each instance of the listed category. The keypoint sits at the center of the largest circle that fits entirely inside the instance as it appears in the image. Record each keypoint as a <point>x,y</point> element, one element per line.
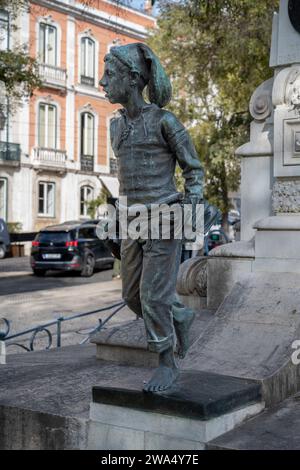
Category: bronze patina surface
<point>148,141</point>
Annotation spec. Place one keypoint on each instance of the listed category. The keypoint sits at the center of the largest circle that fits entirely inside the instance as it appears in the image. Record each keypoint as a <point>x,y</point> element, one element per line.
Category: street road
<point>27,300</point>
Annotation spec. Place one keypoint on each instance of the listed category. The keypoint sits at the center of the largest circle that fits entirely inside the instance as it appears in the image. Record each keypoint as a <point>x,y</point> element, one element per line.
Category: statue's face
<point>116,82</point>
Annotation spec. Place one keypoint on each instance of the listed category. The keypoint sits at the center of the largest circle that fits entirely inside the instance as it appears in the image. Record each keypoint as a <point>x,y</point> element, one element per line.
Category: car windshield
<point>54,237</point>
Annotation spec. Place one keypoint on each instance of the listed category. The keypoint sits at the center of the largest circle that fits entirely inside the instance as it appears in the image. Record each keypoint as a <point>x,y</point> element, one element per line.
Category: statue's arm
<point>185,153</point>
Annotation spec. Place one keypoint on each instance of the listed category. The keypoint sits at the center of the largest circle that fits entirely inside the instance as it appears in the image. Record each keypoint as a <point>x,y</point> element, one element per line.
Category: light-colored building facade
<point>59,153</point>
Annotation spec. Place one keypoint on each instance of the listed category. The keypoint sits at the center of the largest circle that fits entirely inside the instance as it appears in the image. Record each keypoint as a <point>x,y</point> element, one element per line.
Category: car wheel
<point>89,265</point>
<point>39,272</point>
<point>2,252</point>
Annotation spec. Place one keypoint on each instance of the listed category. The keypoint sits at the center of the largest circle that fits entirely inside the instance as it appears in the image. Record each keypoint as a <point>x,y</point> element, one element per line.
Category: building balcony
<point>10,154</point>
<point>50,157</point>
<point>113,166</point>
<point>87,163</point>
<point>89,81</point>
<point>53,77</point>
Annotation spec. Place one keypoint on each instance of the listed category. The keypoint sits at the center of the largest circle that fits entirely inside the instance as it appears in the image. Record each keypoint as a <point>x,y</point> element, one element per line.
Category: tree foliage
<point>217,53</point>
<point>94,204</point>
<point>18,71</point>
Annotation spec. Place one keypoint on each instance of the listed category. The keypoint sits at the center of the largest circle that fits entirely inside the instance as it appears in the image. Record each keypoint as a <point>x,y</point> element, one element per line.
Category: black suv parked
<point>71,246</point>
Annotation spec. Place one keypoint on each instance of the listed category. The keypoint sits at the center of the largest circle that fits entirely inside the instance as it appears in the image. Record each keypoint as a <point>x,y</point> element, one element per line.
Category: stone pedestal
<point>256,161</point>
<point>127,345</point>
<point>226,265</point>
<point>252,334</point>
<point>200,407</point>
<point>277,244</point>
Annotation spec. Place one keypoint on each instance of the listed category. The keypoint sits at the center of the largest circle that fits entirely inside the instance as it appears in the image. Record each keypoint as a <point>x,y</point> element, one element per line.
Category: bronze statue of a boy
<point>148,141</point>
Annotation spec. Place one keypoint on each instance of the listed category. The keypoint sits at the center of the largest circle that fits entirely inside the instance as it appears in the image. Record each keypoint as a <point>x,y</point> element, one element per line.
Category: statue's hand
<point>194,219</point>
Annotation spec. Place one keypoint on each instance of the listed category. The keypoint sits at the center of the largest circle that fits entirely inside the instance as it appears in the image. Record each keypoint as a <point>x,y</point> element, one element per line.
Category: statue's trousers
<point>149,273</point>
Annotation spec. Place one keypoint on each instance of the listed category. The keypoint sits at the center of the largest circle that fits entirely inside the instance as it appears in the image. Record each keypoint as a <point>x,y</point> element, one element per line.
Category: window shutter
<point>51,46</point>
<point>42,126</point>
<point>51,127</point>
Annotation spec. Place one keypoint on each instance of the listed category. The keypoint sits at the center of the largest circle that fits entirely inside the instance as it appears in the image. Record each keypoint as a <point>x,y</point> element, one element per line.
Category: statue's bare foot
<point>182,332</point>
<point>162,379</point>
<point>165,375</point>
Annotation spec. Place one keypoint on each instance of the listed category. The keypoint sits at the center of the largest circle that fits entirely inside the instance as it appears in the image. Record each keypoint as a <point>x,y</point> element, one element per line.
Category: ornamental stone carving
<point>261,101</point>
<point>286,196</point>
<point>192,277</point>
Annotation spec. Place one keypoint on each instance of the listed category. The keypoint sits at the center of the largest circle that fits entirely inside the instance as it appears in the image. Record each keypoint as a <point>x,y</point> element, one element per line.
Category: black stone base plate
<point>196,395</point>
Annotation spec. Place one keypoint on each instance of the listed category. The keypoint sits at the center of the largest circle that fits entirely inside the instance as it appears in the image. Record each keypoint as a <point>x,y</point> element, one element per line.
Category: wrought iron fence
<point>57,324</point>
<point>90,81</point>
<point>10,152</point>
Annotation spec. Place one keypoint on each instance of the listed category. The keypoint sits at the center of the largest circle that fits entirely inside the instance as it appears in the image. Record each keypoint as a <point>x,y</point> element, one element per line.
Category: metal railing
<point>87,162</point>
<point>89,81</point>
<point>10,152</point>
<point>52,74</point>
<point>50,156</point>
<point>57,323</point>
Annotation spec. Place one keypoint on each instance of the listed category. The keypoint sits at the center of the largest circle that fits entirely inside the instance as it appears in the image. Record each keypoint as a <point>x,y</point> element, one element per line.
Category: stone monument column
<point>257,161</point>
<point>277,240</point>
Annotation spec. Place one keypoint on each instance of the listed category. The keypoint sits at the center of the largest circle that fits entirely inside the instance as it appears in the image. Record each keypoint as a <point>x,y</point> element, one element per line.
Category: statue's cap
<point>138,57</point>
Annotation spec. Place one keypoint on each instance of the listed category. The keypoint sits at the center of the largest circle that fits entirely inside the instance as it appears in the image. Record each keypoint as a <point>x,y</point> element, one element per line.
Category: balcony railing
<point>90,81</point>
<point>51,157</point>
<point>52,75</point>
<point>10,152</point>
<point>87,162</point>
<point>113,166</point>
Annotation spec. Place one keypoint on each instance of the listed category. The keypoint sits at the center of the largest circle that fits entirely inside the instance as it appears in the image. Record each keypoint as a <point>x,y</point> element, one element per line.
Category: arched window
<point>87,132</point>
<point>48,44</point>
<point>87,65</point>
<point>47,126</point>
<point>86,195</point>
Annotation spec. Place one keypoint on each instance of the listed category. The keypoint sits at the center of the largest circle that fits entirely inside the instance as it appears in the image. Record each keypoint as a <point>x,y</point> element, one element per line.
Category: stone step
<point>126,344</point>
<point>198,407</point>
<point>252,335</point>
<point>275,429</point>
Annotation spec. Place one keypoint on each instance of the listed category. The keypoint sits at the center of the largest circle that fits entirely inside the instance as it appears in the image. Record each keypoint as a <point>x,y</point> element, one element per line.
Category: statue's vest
<point>146,164</point>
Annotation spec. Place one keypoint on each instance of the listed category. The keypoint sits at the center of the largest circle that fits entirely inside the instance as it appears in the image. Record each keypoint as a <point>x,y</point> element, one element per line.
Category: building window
<point>47,126</point>
<point>111,156</point>
<point>3,198</point>
<point>47,199</point>
<point>48,44</point>
<point>86,195</point>
<point>87,69</point>
<point>4,30</point>
<point>87,126</point>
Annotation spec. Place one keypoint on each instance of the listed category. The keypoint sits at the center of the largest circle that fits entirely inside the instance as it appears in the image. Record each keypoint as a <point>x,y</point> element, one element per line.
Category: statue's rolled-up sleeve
<point>185,153</point>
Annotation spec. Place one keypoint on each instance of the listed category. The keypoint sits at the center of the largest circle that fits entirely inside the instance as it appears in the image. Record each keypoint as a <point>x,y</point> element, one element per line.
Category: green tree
<point>217,53</point>
<point>18,71</point>
<point>93,205</point>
